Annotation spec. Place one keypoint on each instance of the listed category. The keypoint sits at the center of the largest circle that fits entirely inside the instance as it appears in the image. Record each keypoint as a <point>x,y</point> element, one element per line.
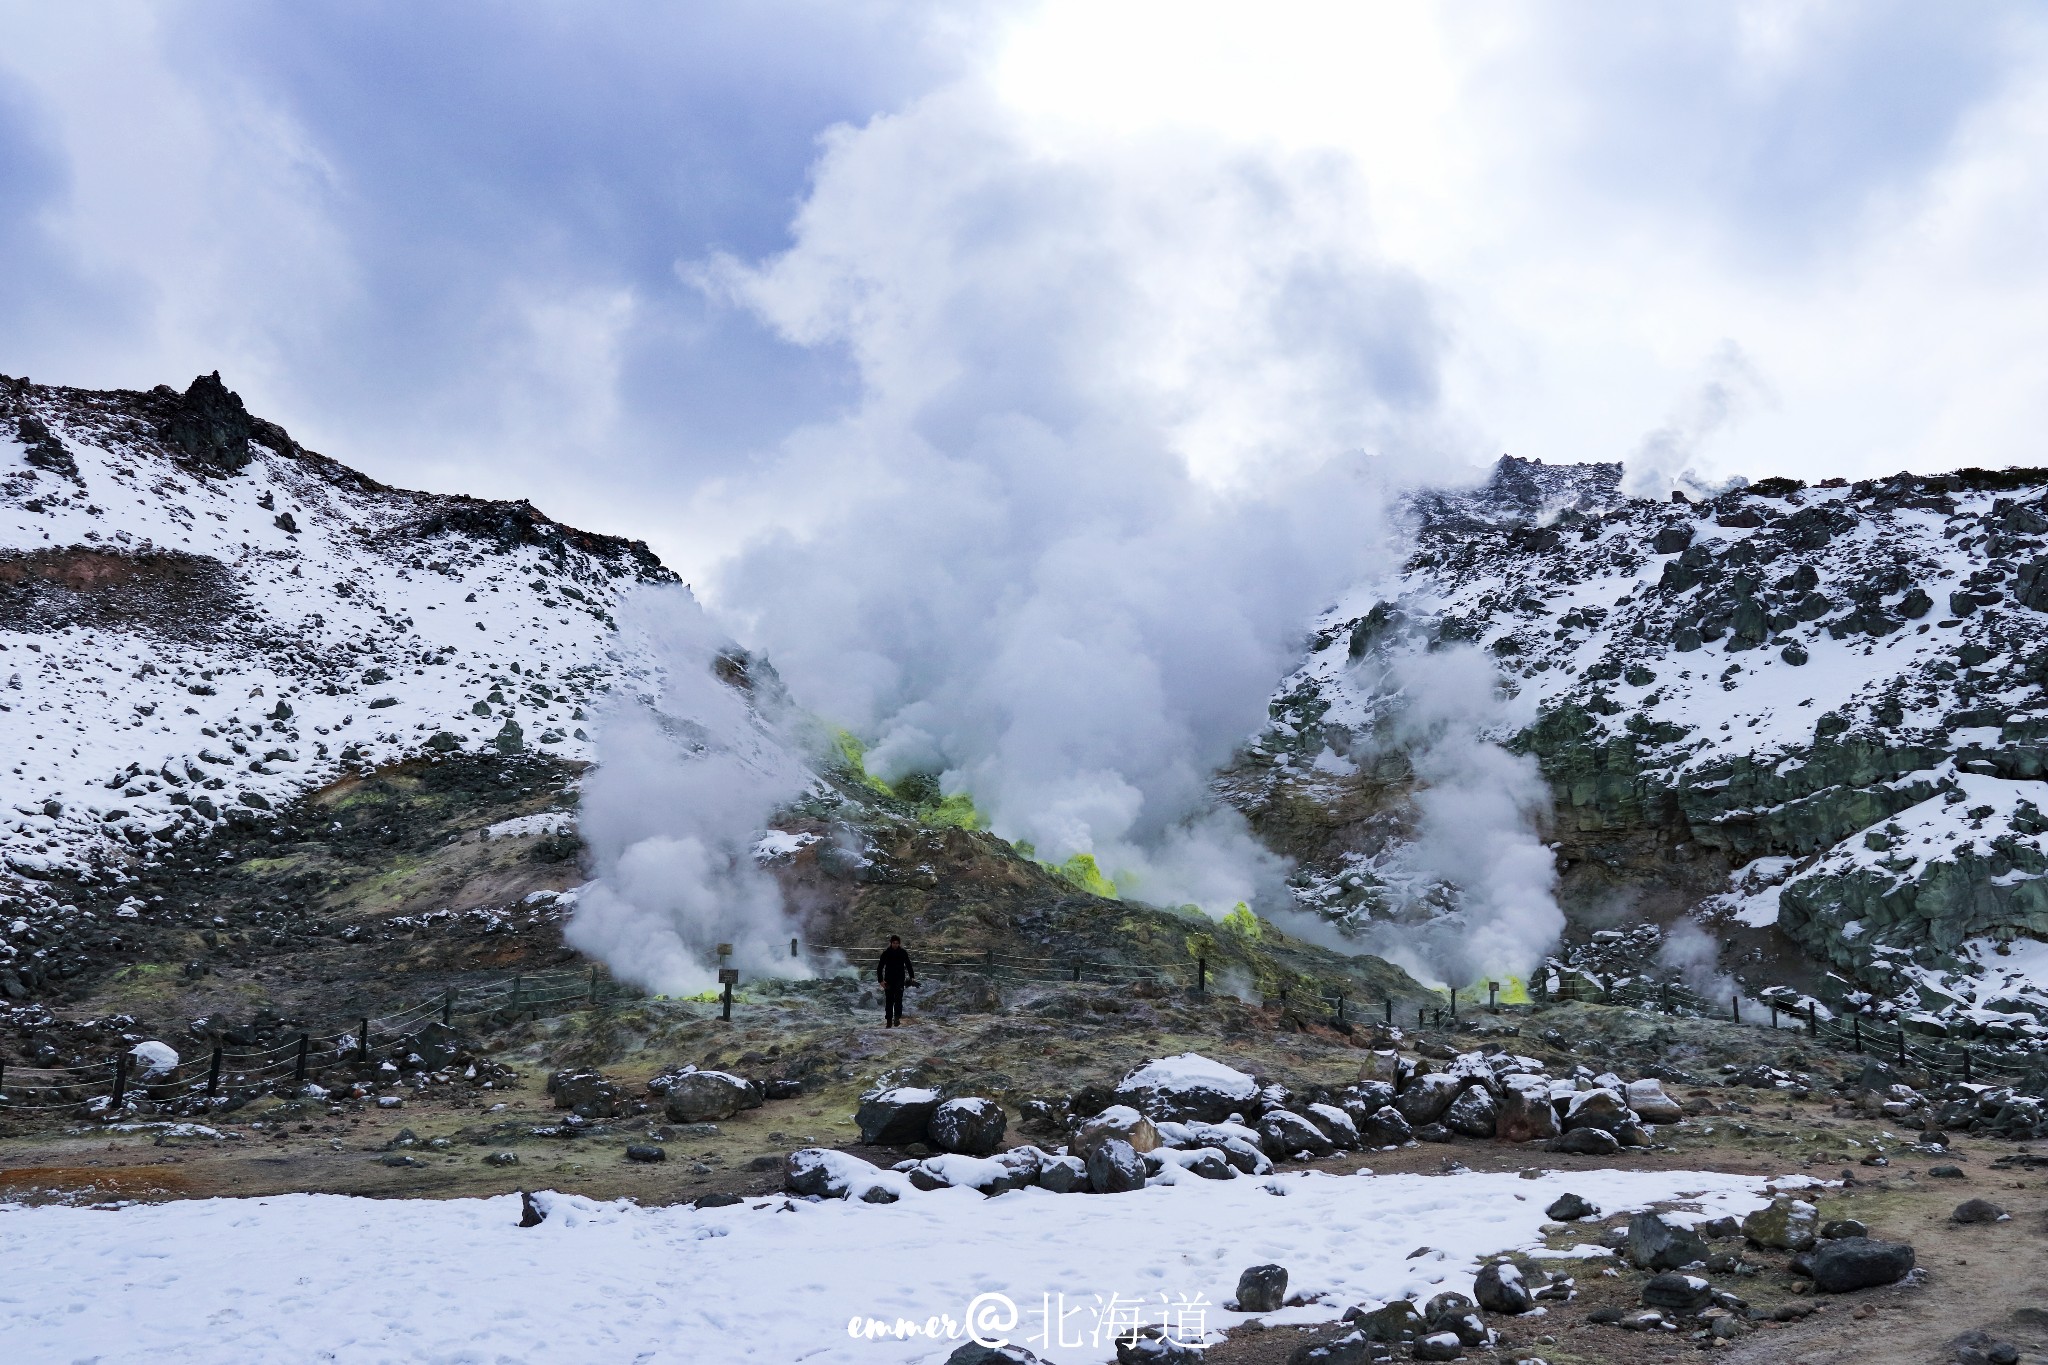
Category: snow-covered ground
<point>298,1278</point>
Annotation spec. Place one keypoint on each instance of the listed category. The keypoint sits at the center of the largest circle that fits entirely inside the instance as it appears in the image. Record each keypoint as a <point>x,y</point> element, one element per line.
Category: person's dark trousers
<point>892,1005</point>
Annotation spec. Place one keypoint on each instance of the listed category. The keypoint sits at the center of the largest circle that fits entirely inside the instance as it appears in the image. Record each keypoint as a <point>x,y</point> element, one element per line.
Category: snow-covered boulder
<point>974,1127</point>
<point>1188,1087</point>
<point>153,1059</point>
<point>897,1116</point>
<point>706,1096</point>
<point>821,1173</point>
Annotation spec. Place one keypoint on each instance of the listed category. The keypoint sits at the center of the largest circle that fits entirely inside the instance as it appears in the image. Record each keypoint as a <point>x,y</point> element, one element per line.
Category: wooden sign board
<point>728,976</point>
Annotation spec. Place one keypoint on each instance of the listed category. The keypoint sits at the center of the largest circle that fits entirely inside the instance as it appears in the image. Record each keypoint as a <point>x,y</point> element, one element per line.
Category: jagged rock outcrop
<point>1816,710</point>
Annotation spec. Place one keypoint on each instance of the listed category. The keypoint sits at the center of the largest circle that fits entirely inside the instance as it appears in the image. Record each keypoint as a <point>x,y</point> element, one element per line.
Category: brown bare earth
<point>1050,1041</point>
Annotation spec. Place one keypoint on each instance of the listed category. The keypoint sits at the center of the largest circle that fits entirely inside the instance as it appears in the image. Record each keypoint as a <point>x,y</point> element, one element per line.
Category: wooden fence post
<point>1856,1030</point>
<point>1390,1010</point>
<point>1201,976</point>
<point>448,1006</point>
<point>299,1063</point>
<point>363,1041</point>
<point>1812,1021</point>
<point>213,1073</point>
<point>120,1078</point>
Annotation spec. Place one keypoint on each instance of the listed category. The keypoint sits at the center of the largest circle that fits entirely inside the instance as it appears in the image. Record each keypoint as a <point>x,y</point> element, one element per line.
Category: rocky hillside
<point>1809,717</point>
<point>201,620</point>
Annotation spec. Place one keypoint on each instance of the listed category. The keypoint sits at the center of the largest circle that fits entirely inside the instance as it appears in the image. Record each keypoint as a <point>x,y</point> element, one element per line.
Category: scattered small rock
<point>1570,1208</point>
<point>1686,1294</point>
<point>1978,1211</point>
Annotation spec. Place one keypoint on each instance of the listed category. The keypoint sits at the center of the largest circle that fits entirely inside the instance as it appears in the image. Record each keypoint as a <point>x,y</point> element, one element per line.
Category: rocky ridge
<point>201,621</point>
<point>1810,717</point>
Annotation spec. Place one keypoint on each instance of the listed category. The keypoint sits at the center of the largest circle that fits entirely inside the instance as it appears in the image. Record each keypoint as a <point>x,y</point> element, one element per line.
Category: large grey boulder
<point>1118,1121</point>
<point>1500,1288</point>
<point>1282,1133</point>
<point>1262,1289</point>
<point>1351,1348</point>
<point>1677,1293</point>
<point>1787,1223</point>
<point>896,1117</point>
<point>1472,1113</point>
<point>1651,1104</point>
<point>1853,1263</point>
<point>587,1092</point>
<point>974,1127</point>
<point>1188,1088</point>
<point>820,1172</point>
<point>1062,1174</point>
<point>1524,1112</point>
<point>1654,1244</point>
<point>1586,1142</point>
<point>1385,1128</point>
<point>1239,1145</point>
<point>1601,1108</point>
<point>1570,1208</point>
<point>1427,1097</point>
<point>1335,1124</point>
<point>1114,1167</point>
<point>707,1096</point>
<point>1393,1322</point>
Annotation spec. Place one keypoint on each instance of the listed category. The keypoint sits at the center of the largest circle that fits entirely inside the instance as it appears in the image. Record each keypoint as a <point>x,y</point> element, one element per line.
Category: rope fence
<point>26,1089</point>
<point>1855,1033</point>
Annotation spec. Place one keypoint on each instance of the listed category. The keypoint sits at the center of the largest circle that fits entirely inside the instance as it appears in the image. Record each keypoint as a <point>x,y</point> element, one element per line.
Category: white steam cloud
<point>1664,461</point>
<point>687,775</point>
<point>1479,814</point>
<point>1131,409</point>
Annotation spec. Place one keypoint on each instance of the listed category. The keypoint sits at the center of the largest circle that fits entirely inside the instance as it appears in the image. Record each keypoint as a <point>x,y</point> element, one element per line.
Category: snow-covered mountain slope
<point>1830,696</point>
<point>200,619</point>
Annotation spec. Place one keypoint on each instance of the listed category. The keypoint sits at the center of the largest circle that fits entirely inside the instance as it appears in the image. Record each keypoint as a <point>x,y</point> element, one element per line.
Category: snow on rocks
<point>896,1116</point>
<point>1189,1086</point>
<point>1838,685</point>
<point>309,1273</point>
<point>153,1059</point>
<point>190,642</point>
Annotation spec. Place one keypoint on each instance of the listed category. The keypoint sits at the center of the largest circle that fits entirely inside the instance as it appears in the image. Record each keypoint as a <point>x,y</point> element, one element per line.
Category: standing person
<point>894,971</point>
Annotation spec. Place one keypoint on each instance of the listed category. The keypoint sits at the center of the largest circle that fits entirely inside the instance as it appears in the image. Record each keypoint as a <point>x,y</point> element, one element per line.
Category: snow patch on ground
<point>305,1277</point>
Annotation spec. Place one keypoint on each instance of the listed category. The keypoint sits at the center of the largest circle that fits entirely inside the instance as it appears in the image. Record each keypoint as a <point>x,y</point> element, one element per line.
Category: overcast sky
<point>642,262</point>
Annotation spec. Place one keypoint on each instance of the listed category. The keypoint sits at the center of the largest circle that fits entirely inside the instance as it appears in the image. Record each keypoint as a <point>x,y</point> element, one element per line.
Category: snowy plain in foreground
<point>301,1277</point>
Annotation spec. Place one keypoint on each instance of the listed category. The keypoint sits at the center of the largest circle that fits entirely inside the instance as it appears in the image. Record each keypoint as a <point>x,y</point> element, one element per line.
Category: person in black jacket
<point>894,972</point>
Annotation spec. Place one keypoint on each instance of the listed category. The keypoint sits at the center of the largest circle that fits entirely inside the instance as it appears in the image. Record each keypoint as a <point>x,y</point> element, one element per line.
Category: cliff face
<point>1809,718</point>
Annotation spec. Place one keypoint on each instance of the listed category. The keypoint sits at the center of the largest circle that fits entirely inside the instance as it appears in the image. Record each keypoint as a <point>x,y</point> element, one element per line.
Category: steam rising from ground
<point>1479,812</point>
<point>687,775</point>
<point>1131,409</point>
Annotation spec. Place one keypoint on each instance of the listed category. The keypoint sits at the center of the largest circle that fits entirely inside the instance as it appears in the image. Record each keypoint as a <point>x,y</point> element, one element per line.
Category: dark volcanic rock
<point>971,1126</point>
<point>1262,1289</point>
<point>895,1117</point>
<point>1853,1263</point>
